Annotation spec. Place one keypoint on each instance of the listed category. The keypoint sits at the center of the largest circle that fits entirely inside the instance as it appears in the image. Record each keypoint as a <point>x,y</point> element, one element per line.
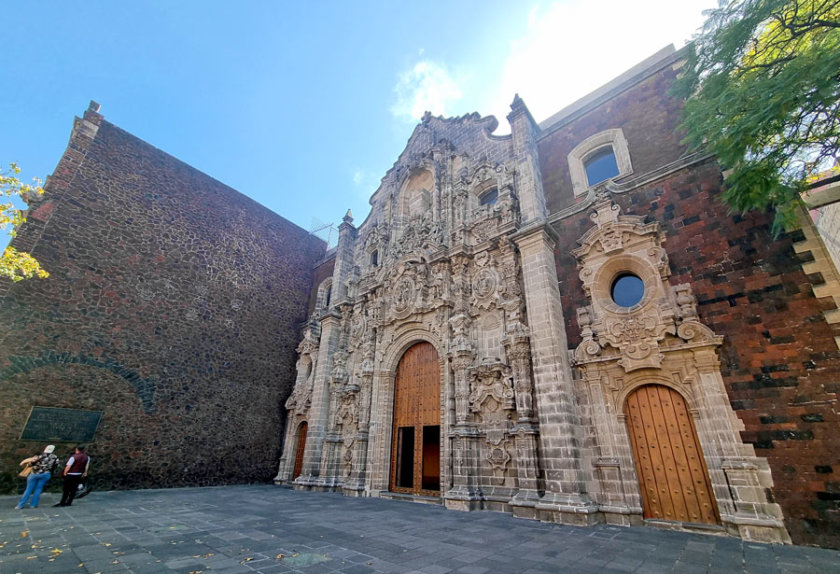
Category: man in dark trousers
<point>74,472</point>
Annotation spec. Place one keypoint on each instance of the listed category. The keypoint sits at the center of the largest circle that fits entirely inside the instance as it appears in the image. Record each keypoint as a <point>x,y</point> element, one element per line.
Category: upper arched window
<point>324,296</point>
<point>598,158</point>
<point>489,197</point>
<point>600,165</point>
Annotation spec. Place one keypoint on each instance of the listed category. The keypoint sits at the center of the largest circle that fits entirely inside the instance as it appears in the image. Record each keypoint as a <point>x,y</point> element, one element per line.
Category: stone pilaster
<point>565,496</point>
<point>525,500</point>
<point>529,187</point>
<point>320,406</point>
<point>331,332</point>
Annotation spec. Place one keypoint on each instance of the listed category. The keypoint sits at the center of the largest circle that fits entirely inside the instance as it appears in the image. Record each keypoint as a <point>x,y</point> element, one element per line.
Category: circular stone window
<point>627,290</point>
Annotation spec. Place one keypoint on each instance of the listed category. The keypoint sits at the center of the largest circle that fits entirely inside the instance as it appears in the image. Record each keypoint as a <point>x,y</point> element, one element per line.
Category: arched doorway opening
<point>301,447</point>
<point>415,451</point>
<point>672,473</point>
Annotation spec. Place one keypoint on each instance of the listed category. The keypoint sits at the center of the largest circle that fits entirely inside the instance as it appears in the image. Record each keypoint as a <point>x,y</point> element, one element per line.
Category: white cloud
<point>425,87</point>
<point>574,47</point>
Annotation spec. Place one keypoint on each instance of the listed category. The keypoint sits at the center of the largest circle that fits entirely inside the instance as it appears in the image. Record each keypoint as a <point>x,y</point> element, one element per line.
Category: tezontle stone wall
<point>172,307</point>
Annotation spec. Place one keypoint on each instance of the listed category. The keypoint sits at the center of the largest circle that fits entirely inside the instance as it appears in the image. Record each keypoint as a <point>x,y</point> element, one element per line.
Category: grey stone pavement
<point>265,528</point>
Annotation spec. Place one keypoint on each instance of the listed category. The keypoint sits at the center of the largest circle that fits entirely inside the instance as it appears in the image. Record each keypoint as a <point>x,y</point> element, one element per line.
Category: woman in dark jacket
<point>42,467</point>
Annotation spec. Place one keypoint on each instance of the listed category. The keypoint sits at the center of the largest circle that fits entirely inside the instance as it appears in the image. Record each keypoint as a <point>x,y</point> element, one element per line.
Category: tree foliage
<point>16,265</point>
<point>762,83</point>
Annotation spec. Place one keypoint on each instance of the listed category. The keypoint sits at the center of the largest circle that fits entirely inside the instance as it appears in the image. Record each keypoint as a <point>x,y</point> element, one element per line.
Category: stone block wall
<point>779,359</point>
<point>173,308</point>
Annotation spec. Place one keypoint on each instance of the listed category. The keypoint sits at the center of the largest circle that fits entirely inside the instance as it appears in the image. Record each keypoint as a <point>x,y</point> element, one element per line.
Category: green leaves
<point>762,83</point>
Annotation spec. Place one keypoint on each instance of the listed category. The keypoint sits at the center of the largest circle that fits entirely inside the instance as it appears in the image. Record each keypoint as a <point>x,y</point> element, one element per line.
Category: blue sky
<point>305,106</point>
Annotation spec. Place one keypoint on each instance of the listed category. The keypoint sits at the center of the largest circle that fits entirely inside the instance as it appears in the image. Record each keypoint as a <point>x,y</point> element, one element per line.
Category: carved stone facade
<point>458,253</point>
<point>658,341</point>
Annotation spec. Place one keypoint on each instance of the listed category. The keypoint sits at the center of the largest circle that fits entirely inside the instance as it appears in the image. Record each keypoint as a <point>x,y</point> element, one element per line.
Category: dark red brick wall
<point>779,360</point>
<point>648,118</point>
<point>173,307</point>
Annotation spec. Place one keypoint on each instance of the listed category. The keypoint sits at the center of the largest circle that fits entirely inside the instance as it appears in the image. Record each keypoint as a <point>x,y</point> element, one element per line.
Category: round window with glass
<point>627,290</point>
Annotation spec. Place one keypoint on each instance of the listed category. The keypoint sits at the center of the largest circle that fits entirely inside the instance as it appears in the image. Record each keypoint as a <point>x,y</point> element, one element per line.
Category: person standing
<point>43,466</point>
<point>74,472</point>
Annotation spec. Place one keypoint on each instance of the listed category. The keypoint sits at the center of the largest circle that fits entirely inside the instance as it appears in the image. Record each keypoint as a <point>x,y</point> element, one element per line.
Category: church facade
<point>565,323</point>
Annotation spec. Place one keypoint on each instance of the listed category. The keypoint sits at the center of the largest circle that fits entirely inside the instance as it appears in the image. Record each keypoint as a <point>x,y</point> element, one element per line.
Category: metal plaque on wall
<point>61,425</point>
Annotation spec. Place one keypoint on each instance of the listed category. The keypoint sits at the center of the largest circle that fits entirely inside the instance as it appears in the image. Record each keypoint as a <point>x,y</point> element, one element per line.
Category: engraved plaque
<point>61,425</point>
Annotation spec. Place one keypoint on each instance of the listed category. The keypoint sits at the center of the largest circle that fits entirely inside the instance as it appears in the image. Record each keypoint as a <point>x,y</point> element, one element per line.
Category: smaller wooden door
<point>301,447</point>
<point>672,474</point>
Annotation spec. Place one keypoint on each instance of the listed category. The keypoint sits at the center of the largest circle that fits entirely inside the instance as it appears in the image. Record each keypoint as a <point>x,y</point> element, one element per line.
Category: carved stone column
<point>465,493</point>
<point>355,484</point>
<point>518,351</point>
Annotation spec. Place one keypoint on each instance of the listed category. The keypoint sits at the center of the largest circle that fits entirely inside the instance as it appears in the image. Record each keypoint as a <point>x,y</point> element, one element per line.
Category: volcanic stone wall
<point>172,307</point>
<point>779,359</point>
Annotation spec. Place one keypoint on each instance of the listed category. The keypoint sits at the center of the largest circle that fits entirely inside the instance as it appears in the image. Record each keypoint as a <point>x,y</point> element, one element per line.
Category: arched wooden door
<point>301,447</point>
<point>672,474</point>
<point>415,452</point>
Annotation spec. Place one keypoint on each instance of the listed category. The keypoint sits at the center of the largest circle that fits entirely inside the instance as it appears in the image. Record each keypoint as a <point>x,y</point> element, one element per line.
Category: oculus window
<point>627,290</point>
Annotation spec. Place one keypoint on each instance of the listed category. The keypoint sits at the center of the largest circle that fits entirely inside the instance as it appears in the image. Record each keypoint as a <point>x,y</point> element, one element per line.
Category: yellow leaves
<point>55,552</point>
<point>17,265</point>
<point>24,534</point>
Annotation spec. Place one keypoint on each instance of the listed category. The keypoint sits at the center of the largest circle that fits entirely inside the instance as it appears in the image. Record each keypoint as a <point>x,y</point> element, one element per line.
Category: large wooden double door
<point>672,474</point>
<point>415,452</point>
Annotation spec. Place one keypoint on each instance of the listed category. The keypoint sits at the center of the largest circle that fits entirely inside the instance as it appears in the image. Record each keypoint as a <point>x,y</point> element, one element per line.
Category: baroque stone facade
<point>553,399</point>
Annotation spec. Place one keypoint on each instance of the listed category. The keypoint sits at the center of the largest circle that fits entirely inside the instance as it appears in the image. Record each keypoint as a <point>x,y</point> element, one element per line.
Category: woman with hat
<point>42,467</point>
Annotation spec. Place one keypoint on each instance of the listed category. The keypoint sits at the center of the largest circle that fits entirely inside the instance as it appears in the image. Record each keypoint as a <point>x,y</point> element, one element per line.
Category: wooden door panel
<point>673,480</point>
<point>417,407</point>
<point>300,449</point>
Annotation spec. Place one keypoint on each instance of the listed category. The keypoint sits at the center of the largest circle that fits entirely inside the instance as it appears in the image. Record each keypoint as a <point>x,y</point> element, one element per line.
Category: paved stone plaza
<point>263,528</point>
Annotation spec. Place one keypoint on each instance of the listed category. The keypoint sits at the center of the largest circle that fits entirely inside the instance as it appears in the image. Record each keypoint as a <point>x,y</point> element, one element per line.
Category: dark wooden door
<point>672,474</point>
<point>301,447</point>
<point>415,452</point>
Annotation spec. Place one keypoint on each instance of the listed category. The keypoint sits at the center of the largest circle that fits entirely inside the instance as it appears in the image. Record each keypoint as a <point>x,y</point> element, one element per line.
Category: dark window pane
<point>601,166</point>
<point>490,197</point>
<point>627,290</point>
